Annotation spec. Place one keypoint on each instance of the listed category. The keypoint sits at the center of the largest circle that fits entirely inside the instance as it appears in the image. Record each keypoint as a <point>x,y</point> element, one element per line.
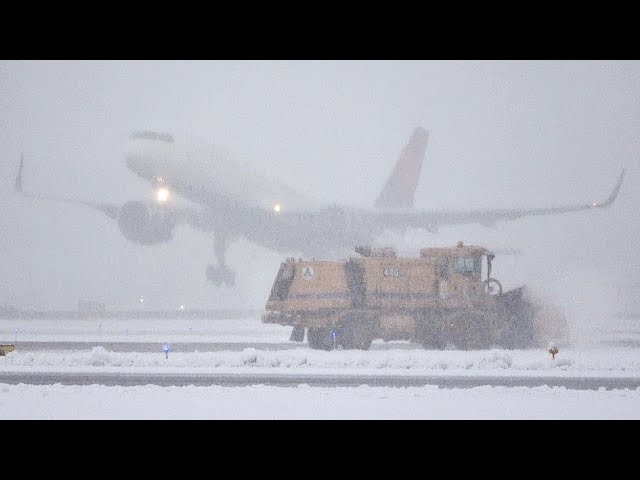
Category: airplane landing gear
<point>221,274</point>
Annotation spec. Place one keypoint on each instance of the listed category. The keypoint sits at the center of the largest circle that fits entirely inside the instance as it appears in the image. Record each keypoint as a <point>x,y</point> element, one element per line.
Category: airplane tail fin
<point>401,185</point>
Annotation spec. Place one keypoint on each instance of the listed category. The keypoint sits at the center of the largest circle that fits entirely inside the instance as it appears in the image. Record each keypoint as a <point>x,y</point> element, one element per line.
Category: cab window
<point>465,265</point>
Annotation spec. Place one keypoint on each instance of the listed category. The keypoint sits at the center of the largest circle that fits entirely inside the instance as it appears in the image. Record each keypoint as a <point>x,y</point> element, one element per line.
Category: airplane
<point>230,203</point>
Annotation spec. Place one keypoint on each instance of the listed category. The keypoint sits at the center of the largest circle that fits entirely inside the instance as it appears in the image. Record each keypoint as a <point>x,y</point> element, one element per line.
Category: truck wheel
<point>432,342</point>
<point>320,338</point>
<point>356,336</point>
<point>431,338</point>
<point>357,331</point>
<point>429,331</point>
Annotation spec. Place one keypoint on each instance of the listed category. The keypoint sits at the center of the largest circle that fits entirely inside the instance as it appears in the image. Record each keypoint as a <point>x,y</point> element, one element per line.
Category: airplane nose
<point>138,165</point>
<point>134,158</point>
<point>147,158</point>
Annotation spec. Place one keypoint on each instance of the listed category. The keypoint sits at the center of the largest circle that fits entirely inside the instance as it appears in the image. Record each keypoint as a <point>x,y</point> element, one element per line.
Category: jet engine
<point>146,223</point>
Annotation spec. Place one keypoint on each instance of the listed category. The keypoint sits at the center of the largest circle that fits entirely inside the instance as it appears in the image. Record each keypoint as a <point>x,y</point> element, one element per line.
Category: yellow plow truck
<point>445,298</point>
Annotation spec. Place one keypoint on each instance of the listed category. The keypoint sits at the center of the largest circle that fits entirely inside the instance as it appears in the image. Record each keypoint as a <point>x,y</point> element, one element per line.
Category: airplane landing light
<point>277,208</point>
<point>162,194</point>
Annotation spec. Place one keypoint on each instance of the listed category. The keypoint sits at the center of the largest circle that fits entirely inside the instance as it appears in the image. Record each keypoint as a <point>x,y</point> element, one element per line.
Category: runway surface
<point>53,351</point>
<point>317,380</point>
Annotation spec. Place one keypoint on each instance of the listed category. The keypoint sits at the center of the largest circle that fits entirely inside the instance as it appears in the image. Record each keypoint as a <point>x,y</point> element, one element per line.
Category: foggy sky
<point>502,134</point>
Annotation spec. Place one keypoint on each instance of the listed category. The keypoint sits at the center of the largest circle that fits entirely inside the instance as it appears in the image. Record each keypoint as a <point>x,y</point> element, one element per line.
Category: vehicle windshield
<point>467,266</point>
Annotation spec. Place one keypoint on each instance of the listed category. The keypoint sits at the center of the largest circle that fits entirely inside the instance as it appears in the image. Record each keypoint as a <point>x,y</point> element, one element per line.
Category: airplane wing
<point>431,220</point>
<point>109,209</point>
<point>181,215</point>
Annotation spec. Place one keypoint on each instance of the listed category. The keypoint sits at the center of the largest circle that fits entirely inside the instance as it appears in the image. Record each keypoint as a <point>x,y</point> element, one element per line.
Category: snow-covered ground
<point>402,358</point>
<point>302,401</point>
<point>601,362</point>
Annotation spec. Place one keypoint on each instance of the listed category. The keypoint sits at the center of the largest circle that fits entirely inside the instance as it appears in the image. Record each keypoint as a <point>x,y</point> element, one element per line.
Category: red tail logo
<point>401,186</point>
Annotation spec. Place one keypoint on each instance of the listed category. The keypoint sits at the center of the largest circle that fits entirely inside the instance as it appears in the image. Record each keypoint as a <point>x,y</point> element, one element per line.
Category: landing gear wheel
<point>220,275</point>
<point>492,287</point>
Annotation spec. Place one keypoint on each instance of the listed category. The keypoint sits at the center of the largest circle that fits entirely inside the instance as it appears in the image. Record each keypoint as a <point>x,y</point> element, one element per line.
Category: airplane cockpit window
<point>149,135</point>
<point>465,265</point>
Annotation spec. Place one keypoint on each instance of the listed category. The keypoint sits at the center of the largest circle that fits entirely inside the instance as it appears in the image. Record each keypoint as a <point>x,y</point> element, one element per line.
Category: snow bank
<point>594,361</point>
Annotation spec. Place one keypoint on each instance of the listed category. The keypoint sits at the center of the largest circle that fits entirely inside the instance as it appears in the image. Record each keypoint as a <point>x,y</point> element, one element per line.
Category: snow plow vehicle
<point>440,299</point>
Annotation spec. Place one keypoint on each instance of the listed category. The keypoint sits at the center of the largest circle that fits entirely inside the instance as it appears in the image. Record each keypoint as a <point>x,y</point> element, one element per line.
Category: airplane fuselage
<point>238,202</point>
<point>196,168</point>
